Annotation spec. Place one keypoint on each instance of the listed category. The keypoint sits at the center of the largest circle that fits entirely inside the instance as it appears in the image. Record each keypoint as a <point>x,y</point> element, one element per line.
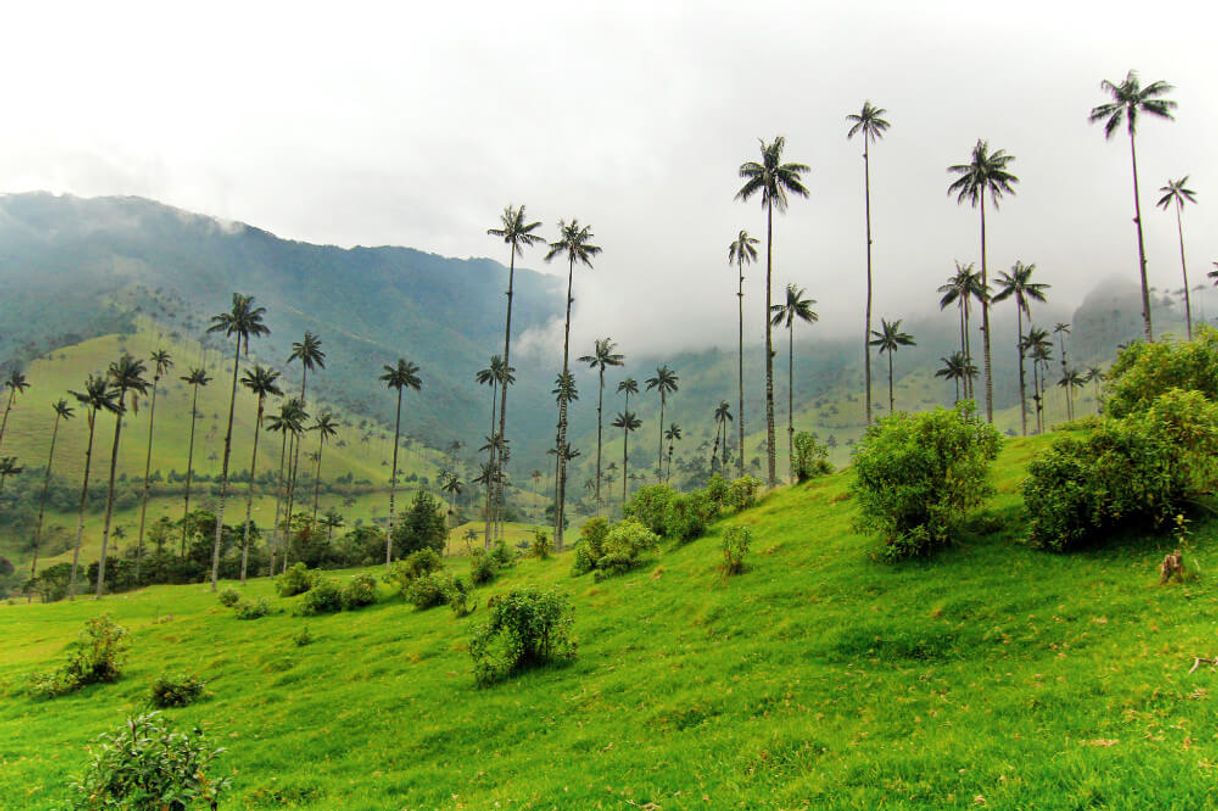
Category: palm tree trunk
<point>1137,220</point>
<point>228,449</point>
<point>740,367</point>
<point>279,492</point>
<point>190,461</point>
<point>486,529</point>
<point>321,445</point>
<point>625,462</point>
<point>985,322</point>
<point>1188,304</point>
<point>562,415</point>
<point>42,501</point>
<point>769,346</point>
<point>393,480</point>
<point>249,493</point>
<point>7,408</point>
<point>963,340</point>
<point>118,430</point>
<point>892,407</point>
<point>1023,396</point>
<point>293,469</point>
<point>968,354</point>
<point>600,403</point>
<point>867,328</point>
<point>791,400</point>
<point>507,365</point>
<point>139,544</point>
<point>660,455</point>
<point>80,516</point>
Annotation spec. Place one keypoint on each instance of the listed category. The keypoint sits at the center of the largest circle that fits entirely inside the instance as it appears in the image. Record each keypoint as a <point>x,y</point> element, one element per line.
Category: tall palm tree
<point>451,485</point>
<point>575,242</point>
<point>1070,380</point>
<point>1018,284</point>
<point>495,375</point>
<point>673,435</point>
<point>1129,100</point>
<point>960,290</point>
<point>1039,346</point>
<point>889,339</point>
<point>742,251</point>
<point>16,384</point>
<point>985,173</point>
<point>126,376</point>
<point>603,356</point>
<point>161,364</point>
<point>262,383</point>
<point>1176,193</point>
<point>8,467</point>
<point>326,427</point>
<point>871,124</point>
<point>403,375</point>
<point>773,179</point>
<point>289,420</point>
<point>795,308</point>
<point>197,377</point>
<point>331,521</point>
<point>1095,376</point>
<point>242,322</point>
<point>309,352</point>
<point>956,368</point>
<point>664,381</point>
<point>723,416</point>
<point>1061,330</point>
<point>628,422</point>
<point>97,396</point>
<point>63,412</point>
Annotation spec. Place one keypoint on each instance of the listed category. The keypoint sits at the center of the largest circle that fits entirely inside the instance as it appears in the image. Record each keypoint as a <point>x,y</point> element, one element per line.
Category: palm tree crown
<point>985,173</point>
<point>243,320</point>
<point>869,122</point>
<point>1129,100</point>
<point>516,232</point>
<point>771,177</point>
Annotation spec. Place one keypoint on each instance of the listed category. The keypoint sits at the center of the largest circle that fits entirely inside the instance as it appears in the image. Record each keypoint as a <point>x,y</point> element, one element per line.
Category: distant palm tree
<point>960,290</point>
<point>161,364</point>
<point>97,396</point>
<point>1070,380</point>
<point>326,427</point>
<point>1018,284</point>
<point>673,435</point>
<point>1176,193</point>
<point>1129,99</point>
<point>126,376</point>
<point>1095,376</point>
<point>309,352</point>
<point>773,179</point>
<point>665,382</point>
<point>1039,346</point>
<point>196,378</point>
<point>603,356</point>
<point>242,322</point>
<point>956,368</point>
<point>575,242</point>
<point>742,251</point>
<point>262,383</point>
<point>497,375</point>
<point>723,416</point>
<point>16,384</point>
<point>63,412</point>
<point>404,375</point>
<point>1061,330</point>
<point>889,339</point>
<point>628,422</point>
<point>8,467</point>
<point>331,521</point>
<point>871,123</point>
<point>289,420</point>
<point>451,485</point>
<point>796,307</point>
<point>985,173</point>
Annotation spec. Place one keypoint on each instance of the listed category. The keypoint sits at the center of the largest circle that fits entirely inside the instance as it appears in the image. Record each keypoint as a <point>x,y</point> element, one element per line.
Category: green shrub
<point>146,764</point>
<point>540,546</point>
<point>625,545</point>
<point>590,546</point>
<point>688,516</point>
<point>326,597</point>
<point>811,457</point>
<point>359,591</point>
<point>718,491</point>
<point>650,506</point>
<point>919,475</point>
<point>1143,372</point>
<point>527,627</point>
<point>482,569</point>
<point>503,555</point>
<point>428,591</point>
<point>422,525</point>
<point>742,493</point>
<point>1138,469</point>
<point>179,690</point>
<point>229,597</point>
<point>296,580</point>
<point>252,609</point>
<point>736,543</point>
<point>415,565</point>
<point>303,637</point>
<point>459,596</point>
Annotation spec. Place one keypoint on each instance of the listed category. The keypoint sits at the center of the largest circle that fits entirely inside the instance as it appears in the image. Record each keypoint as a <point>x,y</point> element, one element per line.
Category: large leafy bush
<point>1144,372</point>
<point>97,656</point>
<point>527,627</point>
<point>297,579</point>
<point>811,457</point>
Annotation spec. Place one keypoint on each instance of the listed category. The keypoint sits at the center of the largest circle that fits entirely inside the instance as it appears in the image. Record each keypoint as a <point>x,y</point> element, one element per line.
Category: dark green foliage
<point>146,765</point>
<point>326,597</point>
<point>296,580</point>
<point>459,589</point>
<point>736,542</point>
<point>51,584</point>
<point>303,637</point>
<point>624,546</point>
<point>252,609</point>
<point>591,545</point>
<point>503,556</point>
<point>688,515</point>
<point>1143,372</point>
<point>421,526</point>
<point>718,491</point>
<point>428,590</point>
<point>482,568</point>
<point>179,690</point>
<point>229,597</point>
<point>527,627</point>
<point>362,546</point>
<point>650,506</point>
<point>417,564</point>
<point>1138,469</point>
<point>96,657</point>
<point>919,475</point>
<point>742,493</point>
<point>540,546</point>
<point>811,457</point>
<point>359,591</point>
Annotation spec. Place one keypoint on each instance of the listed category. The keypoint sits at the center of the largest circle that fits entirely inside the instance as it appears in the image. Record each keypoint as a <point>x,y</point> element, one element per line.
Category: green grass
<point>820,678</point>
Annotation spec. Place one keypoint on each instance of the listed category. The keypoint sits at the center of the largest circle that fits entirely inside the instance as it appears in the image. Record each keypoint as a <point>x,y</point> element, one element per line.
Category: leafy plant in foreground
<point>527,627</point>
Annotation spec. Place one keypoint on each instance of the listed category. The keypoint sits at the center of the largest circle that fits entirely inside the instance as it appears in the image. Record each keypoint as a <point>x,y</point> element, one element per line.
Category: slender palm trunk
<point>892,407</point>
<point>84,500</point>
<point>249,493</point>
<point>190,462</point>
<point>769,346</point>
<point>118,430</point>
<point>1137,220</point>
<point>293,470</point>
<point>562,415</point>
<point>985,322</point>
<point>321,446</point>
<point>280,485</point>
<point>968,353</point>
<point>500,452</point>
<point>228,449</point>
<point>600,403</point>
<point>139,544</point>
<point>957,381</point>
<point>625,465</point>
<point>867,329</point>
<point>1023,395</point>
<point>486,531</point>
<point>791,400</point>
<point>740,367</point>
<point>393,481</point>
<point>660,455</point>
<point>42,501</point>
<point>963,340</point>
<point>7,408</point>
<point>1038,396</point>
<point>669,474</point>
<point>1188,304</point>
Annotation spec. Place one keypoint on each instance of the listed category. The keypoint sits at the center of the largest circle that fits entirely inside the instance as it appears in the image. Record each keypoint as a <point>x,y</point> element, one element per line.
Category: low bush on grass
<point>527,627</point>
<point>503,556</point>
<point>146,764</point>
<point>736,543</point>
<point>326,597</point>
<point>176,690</point>
<point>296,580</point>
<point>459,601</point>
<point>303,637</point>
<point>742,493</point>
<point>649,506</point>
<point>482,568</point>
<point>919,475</point>
<point>718,491</point>
<point>229,597</point>
<point>540,546</point>
<point>359,591</point>
<point>252,609</point>
<point>811,457</point>
<point>428,591</point>
<point>96,657</point>
<point>1144,372</point>
<point>415,565</point>
<point>590,546</point>
<point>688,515</point>
<point>625,544</point>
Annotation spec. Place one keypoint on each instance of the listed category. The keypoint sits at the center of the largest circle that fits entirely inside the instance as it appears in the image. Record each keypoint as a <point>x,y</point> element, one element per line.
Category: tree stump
<point>1172,567</point>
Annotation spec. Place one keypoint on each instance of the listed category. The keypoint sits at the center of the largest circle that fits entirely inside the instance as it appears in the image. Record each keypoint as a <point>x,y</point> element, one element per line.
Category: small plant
<point>811,457</point>
<point>482,569</point>
<point>359,592</point>
<point>410,568</point>
<point>649,506</point>
<point>179,690</point>
<point>718,490</point>
<point>428,591</point>
<point>540,546</point>
<point>688,515</point>
<point>95,657</point>
<point>146,764</point>
<point>459,596</point>
<point>624,546</point>
<point>503,556</point>
<point>742,493</point>
<point>527,627</point>
<point>296,580</point>
<point>303,637</point>
<point>252,609</point>
<point>326,597</point>
<point>229,597</point>
<point>736,543</point>
<point>591,545</point>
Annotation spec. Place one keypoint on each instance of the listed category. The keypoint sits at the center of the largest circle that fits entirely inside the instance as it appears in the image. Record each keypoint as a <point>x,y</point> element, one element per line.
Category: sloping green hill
<point>990,676</point>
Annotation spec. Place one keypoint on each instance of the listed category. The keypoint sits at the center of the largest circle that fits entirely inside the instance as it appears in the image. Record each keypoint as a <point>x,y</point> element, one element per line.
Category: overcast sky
<point>354,124</point>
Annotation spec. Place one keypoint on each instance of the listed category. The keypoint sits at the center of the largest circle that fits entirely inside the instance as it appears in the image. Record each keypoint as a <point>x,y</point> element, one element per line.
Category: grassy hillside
<point>992,675</point>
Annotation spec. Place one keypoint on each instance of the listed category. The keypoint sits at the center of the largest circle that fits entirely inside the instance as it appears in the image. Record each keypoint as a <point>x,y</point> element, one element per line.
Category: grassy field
<point>991,676</point>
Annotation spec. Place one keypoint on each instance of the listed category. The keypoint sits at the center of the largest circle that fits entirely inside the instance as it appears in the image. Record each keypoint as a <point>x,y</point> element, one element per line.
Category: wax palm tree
<point>664,381</point>
<point>723,416</point>
<point>497,375</point>
<point>242,322</point>
<point>262,383</point>
<point>574,242</point>
<point>1070,380</point>
<point>1061,330</point>
<point>403,375</point>
<point>161,364</point>
<point>97,396</point>
<point>773,179</point>
<point>63,413</point>
<point>309,352</point>
<point>1095,376</point>
<point>331,521</point>
<point>127,377</point>
<point>451,485</point>
<point>628,422</point>
<point>870,123</point>
<point>197,378</point>
<point>16,384</point>
<point>1039,346</point>
<point>742,251</point>
<point>326,427</point>
<point>289,421</point>
<point>603,356</point>
<point>1129,100</point>
<point>956,368</point>
<point>961,289</point>
<point>795,308</point>
<point>889,339</point>
<point>8,467</point>
<point>673,435</point>
<point>1018,285</point>
<point>985,174</point>
<point>1175,194</point>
